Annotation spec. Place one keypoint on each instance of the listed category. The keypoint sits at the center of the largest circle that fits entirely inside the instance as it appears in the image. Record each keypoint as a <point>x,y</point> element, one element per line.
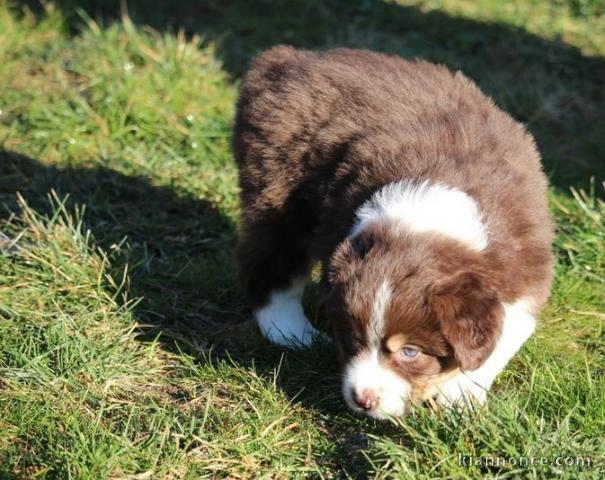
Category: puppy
<point>425,204</point>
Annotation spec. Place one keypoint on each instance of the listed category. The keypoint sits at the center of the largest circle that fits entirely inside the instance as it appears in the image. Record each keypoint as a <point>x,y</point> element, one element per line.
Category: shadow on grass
<point>182,249</point>
<point>173,239</point>
<point>548,84</point>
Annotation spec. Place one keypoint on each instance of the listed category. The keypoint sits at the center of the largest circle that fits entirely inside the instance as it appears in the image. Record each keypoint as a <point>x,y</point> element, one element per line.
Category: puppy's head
<point>407,312</point>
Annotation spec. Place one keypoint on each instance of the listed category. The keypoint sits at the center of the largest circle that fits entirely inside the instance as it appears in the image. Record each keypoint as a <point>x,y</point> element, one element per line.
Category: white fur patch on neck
<point>422,208</point>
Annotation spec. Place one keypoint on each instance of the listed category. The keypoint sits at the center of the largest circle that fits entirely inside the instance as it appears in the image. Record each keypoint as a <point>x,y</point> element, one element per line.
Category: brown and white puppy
<point>425,204</point>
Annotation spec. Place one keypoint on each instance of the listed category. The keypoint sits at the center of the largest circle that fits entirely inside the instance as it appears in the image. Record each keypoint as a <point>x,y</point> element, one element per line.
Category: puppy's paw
<point>295,337</point>
<point>284,323</point>
<point>461,391</point>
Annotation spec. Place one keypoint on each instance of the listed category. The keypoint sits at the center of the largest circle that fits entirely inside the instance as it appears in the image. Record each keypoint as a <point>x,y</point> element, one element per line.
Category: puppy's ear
<point>364,242</point>
<point>351,251</point>
<point>470,315</point>
<point>343,264</point>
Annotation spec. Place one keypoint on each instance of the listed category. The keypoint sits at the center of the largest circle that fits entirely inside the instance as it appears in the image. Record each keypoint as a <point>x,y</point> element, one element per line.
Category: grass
<point>125,348</point>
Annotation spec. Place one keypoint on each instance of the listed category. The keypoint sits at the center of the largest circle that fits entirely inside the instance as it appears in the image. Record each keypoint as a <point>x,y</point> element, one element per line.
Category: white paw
<point>461,391</point>
<point>294,338</point>
<point>283,321</point>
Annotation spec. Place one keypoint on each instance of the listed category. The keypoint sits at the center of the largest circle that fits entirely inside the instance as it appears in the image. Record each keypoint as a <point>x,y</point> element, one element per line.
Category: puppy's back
<point>293,101</point>
<point>307,121</point>
<point>291,94</point>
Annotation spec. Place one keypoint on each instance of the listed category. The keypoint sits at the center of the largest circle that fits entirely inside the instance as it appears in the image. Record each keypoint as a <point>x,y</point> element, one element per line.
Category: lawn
<point>126,351</point>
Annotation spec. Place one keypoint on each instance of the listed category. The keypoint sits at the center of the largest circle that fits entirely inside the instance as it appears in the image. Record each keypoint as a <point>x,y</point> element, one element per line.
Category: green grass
<point>125,348</point>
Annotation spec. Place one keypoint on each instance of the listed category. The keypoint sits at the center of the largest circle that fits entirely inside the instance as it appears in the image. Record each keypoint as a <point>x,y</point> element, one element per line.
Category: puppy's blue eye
<point>409,352</point>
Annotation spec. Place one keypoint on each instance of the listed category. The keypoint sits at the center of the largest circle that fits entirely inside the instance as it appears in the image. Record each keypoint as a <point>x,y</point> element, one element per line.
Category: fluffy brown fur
<point>317,133</point>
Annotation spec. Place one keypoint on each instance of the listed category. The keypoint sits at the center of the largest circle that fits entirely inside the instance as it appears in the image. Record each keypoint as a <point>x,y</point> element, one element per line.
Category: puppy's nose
<point>366,399</point>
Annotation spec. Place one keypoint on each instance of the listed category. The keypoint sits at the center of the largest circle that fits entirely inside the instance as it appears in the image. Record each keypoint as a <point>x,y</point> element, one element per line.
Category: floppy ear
<point>343,263</point>
<point>470,315</point>
<point>350,252</point>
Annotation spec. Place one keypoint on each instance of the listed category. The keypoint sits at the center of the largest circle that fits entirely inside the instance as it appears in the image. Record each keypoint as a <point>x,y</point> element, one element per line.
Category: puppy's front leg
<point>283,320</point>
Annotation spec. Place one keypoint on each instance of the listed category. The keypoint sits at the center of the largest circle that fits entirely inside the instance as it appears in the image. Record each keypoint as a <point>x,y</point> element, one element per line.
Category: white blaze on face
<point>366,371</point>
